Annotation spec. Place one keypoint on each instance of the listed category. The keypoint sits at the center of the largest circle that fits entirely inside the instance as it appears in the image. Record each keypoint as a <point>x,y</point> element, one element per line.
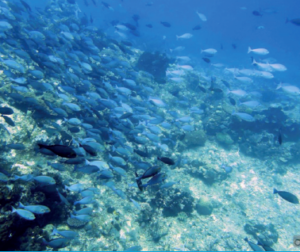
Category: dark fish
<point>287,196</point>
<point>166,160</point>
<point>94,2</point>
<point>207,60</point>
<point>226,83</point>
<point>217,90</point>
<point>74,129</point>
<point>166,24</point>
<point>60,150</point>
<point>257,13</point>
<point>150,172</point>
<point>139,182</point>
<point>253,245</point>
<point>16,146</point>
<point>88,169</point>
<point>71,1</point>
<point>28,8</point>
<point>232,101</point>
<point>295,21</point>
<point>265,247</point>
<point>6,111</point>
<point>86,3</point>
<point>77,160</point>
<point>91,19</point>
<point>196,28</point>
<point>202,89</point>
<point>130,26</point>
<point>279,138</point>
<point>9,121</point>
<point>233,46</point>
<point>141,153</point>
<point>149,25</point>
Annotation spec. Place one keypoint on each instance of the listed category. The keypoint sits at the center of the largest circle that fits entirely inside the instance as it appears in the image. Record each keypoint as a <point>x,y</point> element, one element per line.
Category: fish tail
<point>249,49</point>
<point>246,239</point>
<point>13,210</point>
<point>254,61</point>
<point>54,231</point>
<point>275,191</point>
<point>233,112</point>
<point>21,205</point>
<point>41,146</point>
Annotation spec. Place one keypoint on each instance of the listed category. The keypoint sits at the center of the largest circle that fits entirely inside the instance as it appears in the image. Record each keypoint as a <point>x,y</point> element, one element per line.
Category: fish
<point>201,16</point>
<point>243,116</point>
<point>196,28</point>
<point>295,21</point>
<point>166,160</point>
<point>9,121</point>
<point>258,51</point>
<point>6,111</point>
<point>209,52</point>
<point>207,60</point>
<point>279,137</point>
<point>165,24</point>
<point>287,196</point>
<point>228,169</point>
<point>265,246</point>
<point>149,25</point>
<point>293,90</point>
<point>65,233</point>
<point>253,246</point>
<point>60,150</point>
<point>136,205</point>
<point>57,243</point>
<point>36,209</point>
<point>150,172</point>
<point>44,180</point>
<point>3,177</point>
<point>184,36</point>
<point>257,13</point>
<point>25,214</point>
<point>86,200</point>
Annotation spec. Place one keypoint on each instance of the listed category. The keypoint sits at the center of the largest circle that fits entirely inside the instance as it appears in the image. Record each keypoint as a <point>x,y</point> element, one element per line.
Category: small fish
<point>166,24</point>
<point>295,21</point>
<point>25,214</point>
<point>201,16</point>
<point>258,51</point>
<point>196,28</point>
<point>149,25</point>
<point>207,60</point>
<point>257,13</point>
<point>57,243</point>
<point>279,137</point>
<point>60,150</point>
<point>243,116</point>
<point>45,180</point>
<point>209,52</point>
<point>166,160</point>
<point>287,196</point>
<point>65,233</point>
<point>36,209</point>
<point>137,205</point>
<point>227,168</point>
<point>253,245</point>
<point>86,200</point>
<point>184,36</point>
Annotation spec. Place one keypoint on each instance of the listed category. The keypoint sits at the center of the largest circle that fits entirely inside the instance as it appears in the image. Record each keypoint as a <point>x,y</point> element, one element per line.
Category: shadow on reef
<point>156,64</point>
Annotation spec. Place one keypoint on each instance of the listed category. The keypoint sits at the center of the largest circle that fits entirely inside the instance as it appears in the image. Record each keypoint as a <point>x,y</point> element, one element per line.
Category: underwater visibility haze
<point>139,125</point>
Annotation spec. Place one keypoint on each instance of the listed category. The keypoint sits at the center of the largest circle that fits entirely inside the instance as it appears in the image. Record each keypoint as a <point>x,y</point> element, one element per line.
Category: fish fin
<point>275,191</point>
<point>54,231</point>
<point>13,210</point>
<point>21,205</point>
<point>249,49</point>
<point>233,112</point>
